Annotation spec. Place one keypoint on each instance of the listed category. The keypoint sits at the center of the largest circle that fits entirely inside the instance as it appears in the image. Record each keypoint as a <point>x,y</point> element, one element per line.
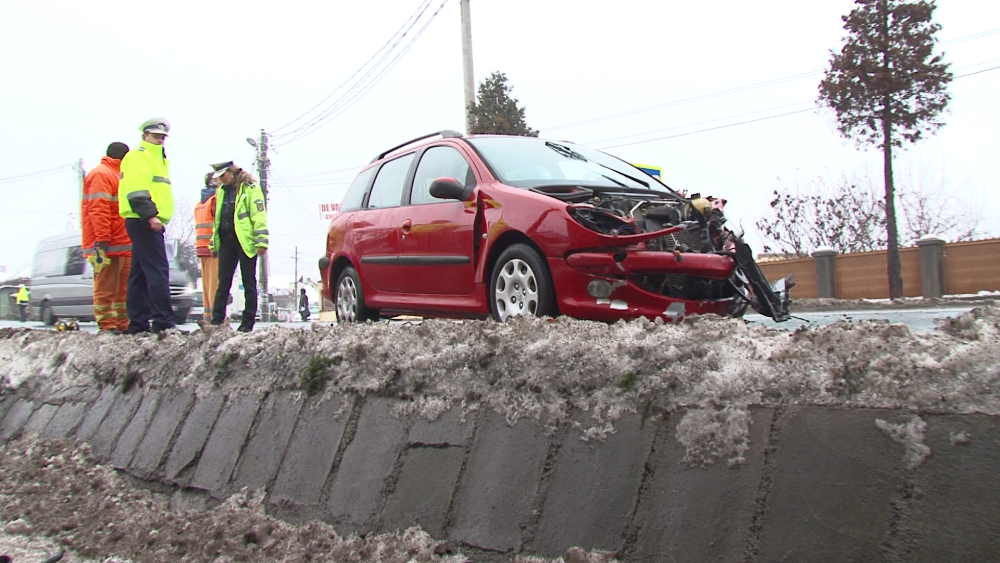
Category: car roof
<point>445,134</point>
<point>60,241</point>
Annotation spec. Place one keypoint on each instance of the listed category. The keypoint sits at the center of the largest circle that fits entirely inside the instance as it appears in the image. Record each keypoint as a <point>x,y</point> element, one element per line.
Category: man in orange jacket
<point>105,242</point>
<point>204,223</point>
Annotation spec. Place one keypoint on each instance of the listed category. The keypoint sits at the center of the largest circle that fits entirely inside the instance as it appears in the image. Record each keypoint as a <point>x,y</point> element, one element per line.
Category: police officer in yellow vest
<point>23,297</point>
<point>146,201</point>
<point>239,236</point>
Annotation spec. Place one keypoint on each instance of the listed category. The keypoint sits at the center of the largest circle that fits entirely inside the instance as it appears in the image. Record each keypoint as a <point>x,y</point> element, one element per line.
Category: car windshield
<point>528,162</point>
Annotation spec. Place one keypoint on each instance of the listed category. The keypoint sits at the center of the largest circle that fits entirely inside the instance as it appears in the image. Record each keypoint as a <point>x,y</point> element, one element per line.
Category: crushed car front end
<point>627,246</point>
<point>635,255</point>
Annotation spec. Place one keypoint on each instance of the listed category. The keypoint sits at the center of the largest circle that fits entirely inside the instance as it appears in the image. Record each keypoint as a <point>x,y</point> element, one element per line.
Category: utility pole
<point>263,164</point>
<point>295,292</point>
<point>83,175</point>
<point>470,81</point>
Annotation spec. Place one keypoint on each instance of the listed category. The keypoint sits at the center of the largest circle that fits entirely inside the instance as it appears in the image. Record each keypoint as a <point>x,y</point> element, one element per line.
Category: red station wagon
<point>503,226</point>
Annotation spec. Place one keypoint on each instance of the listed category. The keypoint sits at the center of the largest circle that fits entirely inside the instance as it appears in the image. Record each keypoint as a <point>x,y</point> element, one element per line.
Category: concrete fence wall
<point>933,268</point>
<point>816,484</point>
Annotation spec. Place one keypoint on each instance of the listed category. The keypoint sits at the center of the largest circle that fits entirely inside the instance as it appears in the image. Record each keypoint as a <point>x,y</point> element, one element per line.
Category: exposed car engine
<point>693,225</point>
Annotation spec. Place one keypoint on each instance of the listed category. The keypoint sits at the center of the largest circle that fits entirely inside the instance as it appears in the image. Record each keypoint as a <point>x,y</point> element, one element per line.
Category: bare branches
<point>845,214</point>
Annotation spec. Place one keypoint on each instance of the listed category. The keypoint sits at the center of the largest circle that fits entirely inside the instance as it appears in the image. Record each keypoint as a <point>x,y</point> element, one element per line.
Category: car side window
<point>49,263</point>
<point>356,193</point>
<point>76,262</point>
<point>438,162</point>
<point>388,188</point>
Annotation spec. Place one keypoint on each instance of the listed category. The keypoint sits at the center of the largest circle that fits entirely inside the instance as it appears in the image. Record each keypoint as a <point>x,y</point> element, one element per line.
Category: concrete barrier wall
<point>815,484</point>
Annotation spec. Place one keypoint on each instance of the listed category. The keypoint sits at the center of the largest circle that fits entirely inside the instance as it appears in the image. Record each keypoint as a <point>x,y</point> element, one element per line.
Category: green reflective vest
<point>250,220</point>
<point>22,296</point>
<point>144,191</point>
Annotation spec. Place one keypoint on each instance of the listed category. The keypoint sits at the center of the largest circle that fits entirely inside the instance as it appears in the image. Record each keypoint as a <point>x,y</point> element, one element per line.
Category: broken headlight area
<point>683,227</point>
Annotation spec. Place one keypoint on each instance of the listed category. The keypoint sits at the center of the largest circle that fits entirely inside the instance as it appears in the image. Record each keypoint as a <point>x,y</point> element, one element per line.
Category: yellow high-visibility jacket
<point>250,220</point>
<point>23,296</point>
<point>144,191</point>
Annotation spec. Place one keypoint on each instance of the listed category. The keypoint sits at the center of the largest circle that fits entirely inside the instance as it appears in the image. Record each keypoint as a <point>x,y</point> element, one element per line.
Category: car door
<point>79,286</point>
<point>437,235</point>
<point>375,227</point>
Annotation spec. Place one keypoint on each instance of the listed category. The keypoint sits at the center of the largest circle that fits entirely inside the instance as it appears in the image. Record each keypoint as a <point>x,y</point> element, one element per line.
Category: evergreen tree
<point>496,111</point>
<point>887,86</point>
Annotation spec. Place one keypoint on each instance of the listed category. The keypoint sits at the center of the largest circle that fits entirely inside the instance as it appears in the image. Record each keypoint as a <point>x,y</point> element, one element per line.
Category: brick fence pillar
<point>825,275</point>
<point>931,265</point>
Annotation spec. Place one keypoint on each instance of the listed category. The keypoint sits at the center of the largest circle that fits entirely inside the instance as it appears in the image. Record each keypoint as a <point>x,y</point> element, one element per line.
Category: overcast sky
<point>76,75</point>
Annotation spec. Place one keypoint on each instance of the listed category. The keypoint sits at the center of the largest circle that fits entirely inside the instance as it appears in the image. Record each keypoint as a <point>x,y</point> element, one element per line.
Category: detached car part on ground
<point>504,226</point>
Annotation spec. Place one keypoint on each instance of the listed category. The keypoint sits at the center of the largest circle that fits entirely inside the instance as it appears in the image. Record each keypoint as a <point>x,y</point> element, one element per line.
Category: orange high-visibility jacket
<point>204,222</point>
<point>99,210</point>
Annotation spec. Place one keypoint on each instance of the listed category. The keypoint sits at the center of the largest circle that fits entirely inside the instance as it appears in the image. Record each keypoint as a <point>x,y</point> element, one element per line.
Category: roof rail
<point>446,134</point>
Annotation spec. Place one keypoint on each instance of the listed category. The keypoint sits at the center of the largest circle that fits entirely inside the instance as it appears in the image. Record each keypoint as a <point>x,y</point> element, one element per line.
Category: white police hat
<point>156,125</point>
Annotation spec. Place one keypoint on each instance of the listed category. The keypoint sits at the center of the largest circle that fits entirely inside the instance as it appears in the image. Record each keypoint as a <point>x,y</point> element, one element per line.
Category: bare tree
<point>845,214</point>
<point>930,207</point>
<point>887,86</point>
<point>181,229</point>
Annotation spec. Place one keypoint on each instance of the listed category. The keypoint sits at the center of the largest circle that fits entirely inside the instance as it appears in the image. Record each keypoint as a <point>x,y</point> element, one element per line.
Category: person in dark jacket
<point>304,305</point>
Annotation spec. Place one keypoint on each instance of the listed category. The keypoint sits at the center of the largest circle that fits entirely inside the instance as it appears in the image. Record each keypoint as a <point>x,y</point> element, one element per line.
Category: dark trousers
<point>231,254</point>
<point>24,311</point>
<point>148,294</point>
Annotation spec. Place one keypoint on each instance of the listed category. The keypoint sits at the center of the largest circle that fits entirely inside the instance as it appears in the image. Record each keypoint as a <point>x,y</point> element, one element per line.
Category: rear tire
<point>350,299</point>
<point>520,284</point>
<point>46,315</point>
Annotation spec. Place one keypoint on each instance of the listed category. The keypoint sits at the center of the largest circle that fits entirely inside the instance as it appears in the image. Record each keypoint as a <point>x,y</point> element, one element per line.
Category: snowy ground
<point>540,369</point>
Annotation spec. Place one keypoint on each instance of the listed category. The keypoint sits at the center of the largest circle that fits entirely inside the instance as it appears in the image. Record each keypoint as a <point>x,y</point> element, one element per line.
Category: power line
<point>683,101</point>
<point>38,174</point>
<point>698,123</point>
<point>748,121</point>
<point>327,173</point>
<point>281,183</point>
<point>977,72</point>
<point>360,89</point>
<point>710,128</point>
<point>735,90</point>
<point>419,10</point>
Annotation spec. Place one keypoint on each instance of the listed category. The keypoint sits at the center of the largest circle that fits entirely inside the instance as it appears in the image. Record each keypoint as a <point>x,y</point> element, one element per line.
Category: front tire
<point>47,315</point>
<point>350,300</point>
<point>520,285</point>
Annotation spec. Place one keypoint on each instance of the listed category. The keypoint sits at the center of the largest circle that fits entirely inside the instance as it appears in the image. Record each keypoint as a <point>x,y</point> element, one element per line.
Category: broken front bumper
<point>626,300</point>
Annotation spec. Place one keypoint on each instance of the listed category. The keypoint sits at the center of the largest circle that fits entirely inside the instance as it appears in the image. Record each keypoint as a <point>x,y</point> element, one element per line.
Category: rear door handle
<point>406,227</point>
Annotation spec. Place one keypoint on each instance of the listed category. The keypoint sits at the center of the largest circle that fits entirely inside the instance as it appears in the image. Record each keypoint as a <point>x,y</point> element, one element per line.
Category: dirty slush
<point>55,497</point>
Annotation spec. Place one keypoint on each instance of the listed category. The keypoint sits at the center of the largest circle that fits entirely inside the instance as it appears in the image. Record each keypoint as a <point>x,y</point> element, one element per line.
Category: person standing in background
<point>105,242</point>
<point>240,236</point>
<point>23,297</point>
<point>204,227</point>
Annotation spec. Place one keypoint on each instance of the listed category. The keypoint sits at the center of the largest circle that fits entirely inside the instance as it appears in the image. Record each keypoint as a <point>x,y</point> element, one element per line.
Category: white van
<point>62,282</point>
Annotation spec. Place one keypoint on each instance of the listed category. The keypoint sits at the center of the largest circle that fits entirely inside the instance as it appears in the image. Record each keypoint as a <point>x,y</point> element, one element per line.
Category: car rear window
<point>388,188</point>
<point>356,193</point>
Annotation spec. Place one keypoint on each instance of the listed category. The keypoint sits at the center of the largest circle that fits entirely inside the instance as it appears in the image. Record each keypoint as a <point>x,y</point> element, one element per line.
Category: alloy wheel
<point>347,300</point>
<point>516,291</point>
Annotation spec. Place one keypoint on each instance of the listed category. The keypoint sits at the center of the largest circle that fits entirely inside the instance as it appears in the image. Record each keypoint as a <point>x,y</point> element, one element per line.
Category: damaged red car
<point>475,226</point>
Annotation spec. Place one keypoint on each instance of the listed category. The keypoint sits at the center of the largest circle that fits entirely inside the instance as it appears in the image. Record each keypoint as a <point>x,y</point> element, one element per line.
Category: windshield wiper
<point>566,151</point>
<point>570,153</point>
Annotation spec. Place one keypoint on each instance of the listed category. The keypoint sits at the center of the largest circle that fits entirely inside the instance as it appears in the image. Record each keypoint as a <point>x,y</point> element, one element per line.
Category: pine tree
<point>496,111</point>
<point>887,86</point>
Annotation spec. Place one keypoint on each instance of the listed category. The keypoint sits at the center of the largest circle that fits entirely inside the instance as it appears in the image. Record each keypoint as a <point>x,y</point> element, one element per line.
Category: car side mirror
<point>450,188</point>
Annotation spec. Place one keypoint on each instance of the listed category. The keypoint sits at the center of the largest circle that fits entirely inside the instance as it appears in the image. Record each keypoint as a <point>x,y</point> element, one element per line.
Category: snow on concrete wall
<point>708,440</point>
